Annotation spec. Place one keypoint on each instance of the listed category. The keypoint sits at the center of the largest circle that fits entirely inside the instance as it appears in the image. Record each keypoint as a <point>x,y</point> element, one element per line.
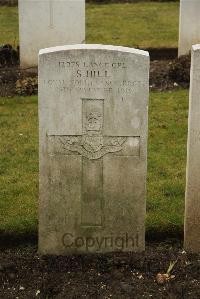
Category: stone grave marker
<point>192,204</point>
<point>49,23</point>
<point>93,102</point>
<point>189,25</point>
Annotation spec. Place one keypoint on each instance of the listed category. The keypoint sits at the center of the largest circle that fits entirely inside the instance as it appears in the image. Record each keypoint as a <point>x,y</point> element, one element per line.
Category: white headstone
<point>189,25</point>
<point>192,204</point>
<point>93,102</point>
<point>49,23</point>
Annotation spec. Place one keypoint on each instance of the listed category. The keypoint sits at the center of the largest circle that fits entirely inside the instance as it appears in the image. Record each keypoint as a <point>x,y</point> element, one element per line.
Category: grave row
<point>46,23</point>
<point>93,114</point>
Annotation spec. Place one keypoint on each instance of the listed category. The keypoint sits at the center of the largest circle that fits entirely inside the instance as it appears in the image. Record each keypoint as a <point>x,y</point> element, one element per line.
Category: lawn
<point>136,25</point>
<point>9,26</point>
<point>166,163</point>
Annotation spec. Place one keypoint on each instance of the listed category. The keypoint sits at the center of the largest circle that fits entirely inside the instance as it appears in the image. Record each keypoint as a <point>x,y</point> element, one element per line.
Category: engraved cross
<point>92,145</point>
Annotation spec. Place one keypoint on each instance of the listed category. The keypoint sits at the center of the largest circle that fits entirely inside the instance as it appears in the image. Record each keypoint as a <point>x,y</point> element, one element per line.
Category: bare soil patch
<point>25,274</point>
<point>170,74</point>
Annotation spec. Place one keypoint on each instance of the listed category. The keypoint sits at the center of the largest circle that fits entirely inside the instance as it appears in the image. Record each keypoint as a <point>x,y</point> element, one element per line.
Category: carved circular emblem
<point>92,143</point>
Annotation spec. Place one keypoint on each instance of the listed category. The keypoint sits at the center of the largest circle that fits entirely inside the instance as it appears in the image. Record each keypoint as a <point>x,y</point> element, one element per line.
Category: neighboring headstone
<point>93,102</point>
<point>49,23</point>
<point>189,25</point>
<point>192,204</point>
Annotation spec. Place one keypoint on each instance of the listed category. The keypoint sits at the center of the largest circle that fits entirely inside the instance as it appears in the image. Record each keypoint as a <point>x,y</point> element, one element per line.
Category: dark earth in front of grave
<point>25,274</point>
<point>8,55</point>
<point>165,74</point>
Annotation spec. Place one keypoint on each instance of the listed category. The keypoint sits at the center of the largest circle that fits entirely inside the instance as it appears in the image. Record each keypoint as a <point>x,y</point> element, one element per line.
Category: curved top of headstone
<point>196,47</point>
<point>93,47</point>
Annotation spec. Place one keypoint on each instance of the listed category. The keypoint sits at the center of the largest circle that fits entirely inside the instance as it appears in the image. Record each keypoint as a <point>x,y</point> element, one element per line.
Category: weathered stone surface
<point>192,204</point>
<point>93,102</point>
<point>189,25</point>
<point>49,23</point>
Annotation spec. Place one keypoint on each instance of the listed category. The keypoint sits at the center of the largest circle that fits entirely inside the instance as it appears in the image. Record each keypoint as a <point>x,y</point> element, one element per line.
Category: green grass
<point>9,26</point>
<point>136,25</point>
<point>139,24</point>
<point>168,114</point>
<point>18,164</point>
<point>166,162</point>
